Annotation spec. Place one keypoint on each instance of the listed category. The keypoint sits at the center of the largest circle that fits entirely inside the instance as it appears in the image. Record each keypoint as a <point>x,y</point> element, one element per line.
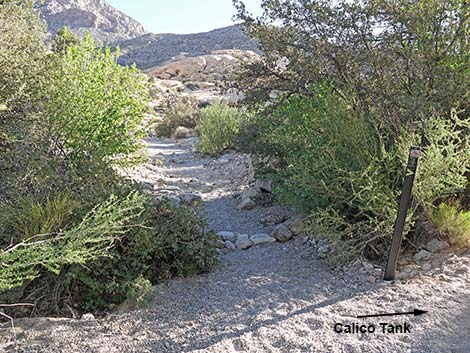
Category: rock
<point>190,199</point>
<point>243,242</point>
<point>371,279</point>
<point>297,226</point>
<point>422,255</point>
<point>435,245</point>
<point>219,244</point>
<point>249,193</point>
<point>175,200</point>
<point>282,233</point>
<point>88,316</point>
<point>182,132</point>
<point>230,236</point>
<point>426,267</point>
<point>323,249</point>
<point>265,185</point>
<point>229,245</point>
<point>367,266</point>
<point>262,239</point>
<point>247,204</point>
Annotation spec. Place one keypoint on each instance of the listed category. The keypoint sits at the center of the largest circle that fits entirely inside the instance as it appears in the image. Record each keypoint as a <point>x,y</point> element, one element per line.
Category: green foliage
<point>218,128</point>
<point>170,243</point>
<point>451,221</point>
<point>27,217</point>
<point>338,149</point>
<point>95,106</point>
<point>177,111</point>
<point>63,40</point>
<point>87,241</point>
<point>73,232</point>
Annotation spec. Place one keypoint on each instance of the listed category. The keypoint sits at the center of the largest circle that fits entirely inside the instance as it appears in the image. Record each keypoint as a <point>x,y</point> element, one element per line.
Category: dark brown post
<point>402,210</point>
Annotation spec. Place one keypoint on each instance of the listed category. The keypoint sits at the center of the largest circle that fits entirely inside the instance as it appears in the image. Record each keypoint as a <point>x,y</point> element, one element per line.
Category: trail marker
<point>390,270</point>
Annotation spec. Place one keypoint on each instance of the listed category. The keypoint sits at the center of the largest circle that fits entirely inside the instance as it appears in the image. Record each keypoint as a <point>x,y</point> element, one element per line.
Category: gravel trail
<point>270,298</point>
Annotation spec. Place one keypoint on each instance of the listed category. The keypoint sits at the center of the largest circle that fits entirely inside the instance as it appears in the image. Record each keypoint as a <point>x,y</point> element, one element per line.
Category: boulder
<point>247,204</point>
<point>262,239</point>
<point>282,233</point>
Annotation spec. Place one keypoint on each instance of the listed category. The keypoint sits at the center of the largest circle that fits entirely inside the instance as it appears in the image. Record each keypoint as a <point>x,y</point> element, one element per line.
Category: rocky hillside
<point>152,50</point>
<point>201,76</point>
<point>104,22</point>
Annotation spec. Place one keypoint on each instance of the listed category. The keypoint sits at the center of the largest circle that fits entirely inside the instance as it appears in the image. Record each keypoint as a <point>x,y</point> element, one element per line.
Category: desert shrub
<point>95,107</point>
<point>74,235</point>
<point>88,240</point>
<point>218,128</point>
<point>28,217</point>
<point>331,161</point>
<point>177,111</point>
<point>171,242</point>
<point>452,221</point>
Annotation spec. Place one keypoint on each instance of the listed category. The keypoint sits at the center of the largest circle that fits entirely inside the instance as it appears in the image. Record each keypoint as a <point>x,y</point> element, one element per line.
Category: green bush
<point>95,106</point>
<point>218,128</point>
<point>171,242</point>
<point>177,111</point>
<point>331,161</point>
<point>28,217</point>
<point>453,222</point>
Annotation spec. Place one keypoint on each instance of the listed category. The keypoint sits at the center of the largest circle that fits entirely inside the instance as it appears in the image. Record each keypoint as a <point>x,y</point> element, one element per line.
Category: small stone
<point>224,161</point>
<point>262,239</point>
<point>229,245</point>
<point>367,266</point>
<point>249,193</point>
<point>371,279</point>
<point>297,226</point>
<point>426,267</point>
<point>323,249</point>
<point>282,233</point>
<point>230,236</point>
<point>88,316</point>
<point>247,204</point>
<point>219,244</point>
<point>243,242</point>
<point>422,255</point>
<point>435,245</point>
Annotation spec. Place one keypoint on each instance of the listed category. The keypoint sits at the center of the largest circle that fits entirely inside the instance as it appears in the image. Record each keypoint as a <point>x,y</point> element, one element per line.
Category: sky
<point>182,16</point>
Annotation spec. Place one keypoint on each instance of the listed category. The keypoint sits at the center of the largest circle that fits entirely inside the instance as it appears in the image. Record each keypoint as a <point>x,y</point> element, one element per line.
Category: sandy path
<point>270,298</point>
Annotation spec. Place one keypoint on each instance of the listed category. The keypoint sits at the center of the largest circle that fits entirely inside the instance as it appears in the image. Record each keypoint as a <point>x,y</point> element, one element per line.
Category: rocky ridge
<point>104,22</point>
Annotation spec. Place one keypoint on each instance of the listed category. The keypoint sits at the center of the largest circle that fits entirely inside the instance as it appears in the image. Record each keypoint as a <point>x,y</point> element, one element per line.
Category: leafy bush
<point>96,106</point>
<point>451,221</point>
<point>171,242</point>
<point>218,128</point>
<point>177,111</point>
<point>331,161</point>
<point>28,217</point>
<point>89,240</point>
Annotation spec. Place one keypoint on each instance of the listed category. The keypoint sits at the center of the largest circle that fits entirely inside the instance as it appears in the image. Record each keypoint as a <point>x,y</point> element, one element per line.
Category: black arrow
<point>415,312</point>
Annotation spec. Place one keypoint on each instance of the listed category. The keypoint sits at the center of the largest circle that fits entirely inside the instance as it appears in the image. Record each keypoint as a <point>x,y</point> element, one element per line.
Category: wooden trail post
<point>402,210</point>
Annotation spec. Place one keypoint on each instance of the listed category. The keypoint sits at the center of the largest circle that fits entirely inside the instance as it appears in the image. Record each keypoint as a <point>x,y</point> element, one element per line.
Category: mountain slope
<point>104,22</point>
<point>152,50</point>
